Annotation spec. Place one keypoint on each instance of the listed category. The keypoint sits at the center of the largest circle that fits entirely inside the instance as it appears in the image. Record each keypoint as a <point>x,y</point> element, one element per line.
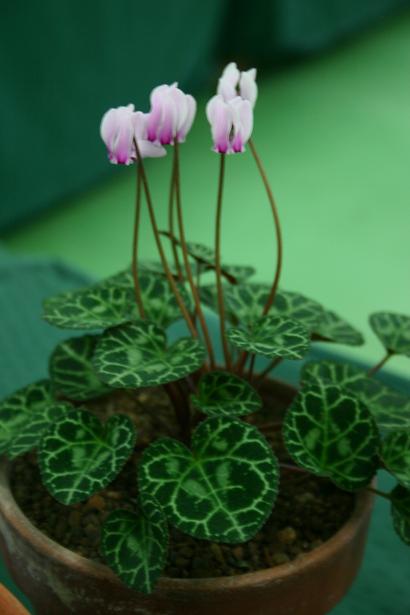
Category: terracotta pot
<point>9,605</point>
<point>59,582</point>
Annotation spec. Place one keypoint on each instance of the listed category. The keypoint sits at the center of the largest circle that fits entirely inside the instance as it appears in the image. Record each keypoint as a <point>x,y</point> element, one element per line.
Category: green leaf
<point>400,510</point>
<point>158,299</point>
<point>390,409</point>
<point>224,394</point>
<point>71,369</point>
<point>393,330</point>
<point>332,328</point>
<point>245,303</point>
<point>136,355</point>
<point>298,307</point>
<point>331,433</point>
<point>396,455</point>
<point>134,545</point>
<point>79,455</point>
<point>224,490</point>
<point>241,273</point>
<point>96,307</point>
<point>272,336</point>
<point>26,415</point>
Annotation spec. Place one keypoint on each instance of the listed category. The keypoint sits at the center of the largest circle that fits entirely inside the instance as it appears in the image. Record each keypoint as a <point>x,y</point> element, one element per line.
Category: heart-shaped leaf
<point>160,304</point>
<point>136,355</point>
<point>79,455</point>
<point>272,336</point>
<point>95,307</point>
<point>396,455</point>
<point>71,369</point>
<point>26,415</point>
<point>224,394</point>
<point>244,303</point>
<point>332,328</point>
<point>331,433</point>
<point>298,307</point>
<point>400,509</point>
<point>390,408</point>
<point>241,273</point>
<point>134,545</point>
<point>224,490</point>
<point>393,330</point>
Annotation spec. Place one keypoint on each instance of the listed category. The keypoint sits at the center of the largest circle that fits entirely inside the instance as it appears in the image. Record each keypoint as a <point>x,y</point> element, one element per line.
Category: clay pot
<point>9,605</point>
<point>59,582</point>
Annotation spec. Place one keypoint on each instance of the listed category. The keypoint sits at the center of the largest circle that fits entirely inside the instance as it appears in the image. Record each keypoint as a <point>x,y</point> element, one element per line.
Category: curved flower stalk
<point>231,84</point>
<point>125,134</point>
<point>231,126</point>
<point>169,121</point>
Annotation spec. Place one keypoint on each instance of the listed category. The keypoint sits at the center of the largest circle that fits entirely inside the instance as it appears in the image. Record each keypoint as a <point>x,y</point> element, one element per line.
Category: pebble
<point>287,536</point>
<point>96,502</point>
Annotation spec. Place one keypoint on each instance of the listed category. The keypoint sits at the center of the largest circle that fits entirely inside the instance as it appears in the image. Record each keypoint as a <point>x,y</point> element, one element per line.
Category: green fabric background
<point>382,585</point>
<point>64,63</point>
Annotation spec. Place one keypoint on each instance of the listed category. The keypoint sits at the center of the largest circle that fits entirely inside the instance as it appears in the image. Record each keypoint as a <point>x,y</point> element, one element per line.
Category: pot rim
<point>63,556</point>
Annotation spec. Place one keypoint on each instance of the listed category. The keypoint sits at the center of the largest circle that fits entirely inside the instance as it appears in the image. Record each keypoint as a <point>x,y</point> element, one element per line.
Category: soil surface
<point>308,510</point>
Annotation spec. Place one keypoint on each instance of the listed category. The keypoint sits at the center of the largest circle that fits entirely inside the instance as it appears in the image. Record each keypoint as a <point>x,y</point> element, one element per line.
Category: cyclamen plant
<point>219,480</point>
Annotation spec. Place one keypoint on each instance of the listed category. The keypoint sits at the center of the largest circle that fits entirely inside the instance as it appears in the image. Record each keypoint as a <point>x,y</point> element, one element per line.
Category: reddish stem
<point>221,306</point>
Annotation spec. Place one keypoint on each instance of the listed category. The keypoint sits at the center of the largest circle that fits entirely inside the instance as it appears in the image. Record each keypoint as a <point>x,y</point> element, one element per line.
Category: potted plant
<point>147,474</point>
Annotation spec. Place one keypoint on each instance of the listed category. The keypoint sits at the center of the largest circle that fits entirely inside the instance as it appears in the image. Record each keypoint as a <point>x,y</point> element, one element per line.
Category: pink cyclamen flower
<point>233,82</point>
<point>119,129</point>
<point>231,123</point>
<point>171,116</point>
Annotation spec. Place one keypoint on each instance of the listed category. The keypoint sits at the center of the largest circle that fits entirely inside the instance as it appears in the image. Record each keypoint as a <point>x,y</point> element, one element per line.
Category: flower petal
<point>190,116</point>
<point>117,132</point>
<point>247,86</point>
<point>219,115</point>
<point>228,82</point>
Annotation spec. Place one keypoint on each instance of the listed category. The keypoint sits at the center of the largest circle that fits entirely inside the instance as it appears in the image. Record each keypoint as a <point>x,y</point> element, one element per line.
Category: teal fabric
<point>25,342</point>
<point>64,63</point>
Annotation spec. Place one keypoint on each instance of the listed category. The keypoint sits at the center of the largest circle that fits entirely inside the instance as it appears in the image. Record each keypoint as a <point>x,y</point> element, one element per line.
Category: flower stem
<point>382,494</point>
<point>171,224</point>
<point>292,468</point>
<point>157,237</point>
<point>137,289</point>
<point>221,306</point>
<point>271,365</point>
<point>185,256</point>
<point>181,409</point>
<point>380,364</point>
<point>279,243</point>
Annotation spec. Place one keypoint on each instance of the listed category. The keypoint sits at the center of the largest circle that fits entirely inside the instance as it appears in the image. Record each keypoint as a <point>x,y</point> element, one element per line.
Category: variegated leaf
<point>400,510</point>
<point>224,394</point>
<point>396,455</point>
<point>96,307</point>
<point>134,545</point>
<point>136,355</point>
<point>71,369</point>
<point>271,336</point>
<point>26,415</point>
<point>223,490</point>
<point>390,408</point>
<point>332,328</point>
<point>79,455</point>
<point>393,330</point>
<point>158,299</point>
<point>331,433</point>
